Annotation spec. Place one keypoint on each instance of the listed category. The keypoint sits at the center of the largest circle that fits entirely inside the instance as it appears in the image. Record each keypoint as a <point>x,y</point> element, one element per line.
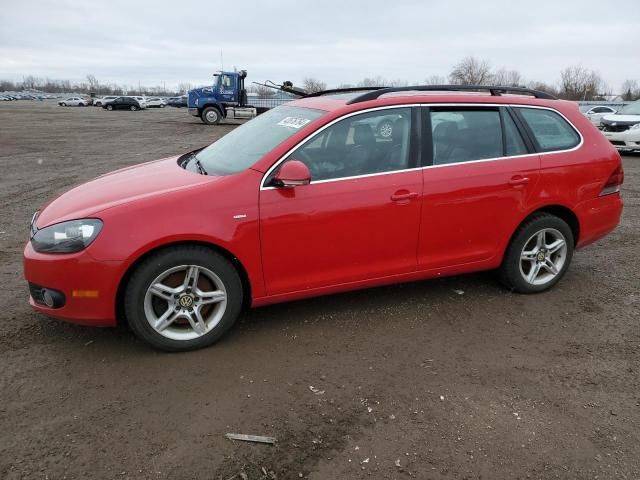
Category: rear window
<point>550,131</point>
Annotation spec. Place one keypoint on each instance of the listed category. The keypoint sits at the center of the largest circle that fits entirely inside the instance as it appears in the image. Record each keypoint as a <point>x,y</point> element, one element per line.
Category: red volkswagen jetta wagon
<point>336,191</point>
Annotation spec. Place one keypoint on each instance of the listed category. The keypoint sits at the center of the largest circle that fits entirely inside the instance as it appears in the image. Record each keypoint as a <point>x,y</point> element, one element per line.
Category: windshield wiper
<point>199,166</point>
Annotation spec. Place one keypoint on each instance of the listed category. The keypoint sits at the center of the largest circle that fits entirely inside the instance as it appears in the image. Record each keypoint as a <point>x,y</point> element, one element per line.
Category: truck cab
<point>226,98</point>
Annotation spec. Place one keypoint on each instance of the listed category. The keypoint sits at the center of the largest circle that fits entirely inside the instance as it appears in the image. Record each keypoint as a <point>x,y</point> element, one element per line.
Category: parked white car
<point>156,102</point>
<point>73,102</point>
<point>98,102</point>
<point>595,113</point>
<point>141,100</point>
<point>623,128</point>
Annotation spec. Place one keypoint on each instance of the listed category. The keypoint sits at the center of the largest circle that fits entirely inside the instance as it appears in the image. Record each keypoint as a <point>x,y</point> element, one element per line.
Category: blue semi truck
<point>227,98</point>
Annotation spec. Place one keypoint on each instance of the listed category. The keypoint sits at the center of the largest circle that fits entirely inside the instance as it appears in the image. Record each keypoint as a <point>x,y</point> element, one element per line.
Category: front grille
<point>616,128</point>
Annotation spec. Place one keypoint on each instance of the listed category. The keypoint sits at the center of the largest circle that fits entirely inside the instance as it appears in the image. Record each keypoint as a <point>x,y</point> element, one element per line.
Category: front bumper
<point>626,141</point>
<point>89,286</point>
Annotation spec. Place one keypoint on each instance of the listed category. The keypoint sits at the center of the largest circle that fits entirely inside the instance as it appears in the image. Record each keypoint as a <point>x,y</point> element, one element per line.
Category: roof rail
<point>493,89</point>
<point>342,90</point>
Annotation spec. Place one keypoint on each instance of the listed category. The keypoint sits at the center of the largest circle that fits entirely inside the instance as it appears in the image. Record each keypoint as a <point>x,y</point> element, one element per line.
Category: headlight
<point>66,237</point>
<point>635,127</point>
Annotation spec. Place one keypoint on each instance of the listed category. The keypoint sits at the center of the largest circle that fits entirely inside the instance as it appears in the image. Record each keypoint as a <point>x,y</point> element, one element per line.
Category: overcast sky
<point>336,41</point>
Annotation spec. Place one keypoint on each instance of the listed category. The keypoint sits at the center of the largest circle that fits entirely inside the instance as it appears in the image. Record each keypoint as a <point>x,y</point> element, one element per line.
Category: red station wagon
<point>311,199</point>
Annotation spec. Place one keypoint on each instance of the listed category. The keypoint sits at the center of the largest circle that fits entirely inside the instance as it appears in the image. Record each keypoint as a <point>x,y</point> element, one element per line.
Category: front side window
<point>363,144</point>
<point>248,143</point>
<point>550,131</point>
<point>463,135</point>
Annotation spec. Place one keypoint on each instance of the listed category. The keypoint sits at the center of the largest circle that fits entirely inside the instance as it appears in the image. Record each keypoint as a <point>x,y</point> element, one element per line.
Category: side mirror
<point>292,173</point>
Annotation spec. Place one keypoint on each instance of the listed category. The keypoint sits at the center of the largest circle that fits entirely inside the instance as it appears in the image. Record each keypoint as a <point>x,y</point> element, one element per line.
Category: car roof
<point>340,101</point>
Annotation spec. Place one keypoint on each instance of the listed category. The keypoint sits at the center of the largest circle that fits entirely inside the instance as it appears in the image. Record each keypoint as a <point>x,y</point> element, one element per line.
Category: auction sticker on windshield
<point>293,122</point>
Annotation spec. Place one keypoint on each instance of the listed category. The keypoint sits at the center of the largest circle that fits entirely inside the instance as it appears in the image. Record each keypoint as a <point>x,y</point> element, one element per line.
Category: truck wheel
<point>211,116</point>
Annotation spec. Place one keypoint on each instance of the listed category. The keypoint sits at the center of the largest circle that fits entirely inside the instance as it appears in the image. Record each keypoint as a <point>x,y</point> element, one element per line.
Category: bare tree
<point>471,71</point>
<point>630,90</point>
<point>578,83</point>
<point>435,80</point>
<point>184,87</point>
<point>313,85</point>
<point>264,92</point>
<point>543,87</point>
<point>373,82</point>
<point>507,78</point>
<point>93,82</point>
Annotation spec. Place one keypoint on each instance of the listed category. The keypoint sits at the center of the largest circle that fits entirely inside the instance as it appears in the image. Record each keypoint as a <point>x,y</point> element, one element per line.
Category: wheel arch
<point>217,106</point>
<point>124,280</point>
<point>561,211</point>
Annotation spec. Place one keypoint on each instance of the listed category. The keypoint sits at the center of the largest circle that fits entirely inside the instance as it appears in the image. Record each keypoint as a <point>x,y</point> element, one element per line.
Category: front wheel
<point>211,116</point>
<point>63,104</point>
<point>539,254</point>
<point>183,298</point>
<point>133,108</point>
<point>109,107</point>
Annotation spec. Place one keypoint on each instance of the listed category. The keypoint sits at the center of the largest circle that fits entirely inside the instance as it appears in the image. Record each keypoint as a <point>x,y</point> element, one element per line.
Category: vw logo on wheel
<point>186,301</point>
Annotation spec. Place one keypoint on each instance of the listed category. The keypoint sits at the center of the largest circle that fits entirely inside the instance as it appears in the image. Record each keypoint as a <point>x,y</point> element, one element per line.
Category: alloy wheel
<point>185,302</point>
<point>543,256</point>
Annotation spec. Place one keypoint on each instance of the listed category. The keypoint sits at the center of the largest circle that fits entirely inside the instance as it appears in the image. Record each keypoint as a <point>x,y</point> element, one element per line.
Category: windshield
<point>244,146</point>
<point>631,109</point>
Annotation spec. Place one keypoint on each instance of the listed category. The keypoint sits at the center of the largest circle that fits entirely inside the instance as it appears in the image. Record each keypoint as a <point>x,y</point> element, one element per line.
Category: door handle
<point>403,195</point>
<point>518,180</point>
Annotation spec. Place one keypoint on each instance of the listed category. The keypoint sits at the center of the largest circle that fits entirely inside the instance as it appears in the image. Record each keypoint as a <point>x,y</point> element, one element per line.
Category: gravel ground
<point>410,381</point>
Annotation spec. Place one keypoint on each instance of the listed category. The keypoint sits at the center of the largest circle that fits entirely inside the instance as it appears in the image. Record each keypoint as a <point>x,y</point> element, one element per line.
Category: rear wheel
<point>211,116</point>
<point>183,298</point>
<point>539,254</point>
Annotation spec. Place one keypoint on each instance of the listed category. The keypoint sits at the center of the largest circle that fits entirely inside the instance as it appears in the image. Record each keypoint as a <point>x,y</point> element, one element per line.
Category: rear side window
<point>550,131</point>
<point>464,135</point>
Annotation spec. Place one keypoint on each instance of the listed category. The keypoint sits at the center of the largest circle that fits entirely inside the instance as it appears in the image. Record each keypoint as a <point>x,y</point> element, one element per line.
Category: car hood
<point>621,119</point>
<point>119,187</point>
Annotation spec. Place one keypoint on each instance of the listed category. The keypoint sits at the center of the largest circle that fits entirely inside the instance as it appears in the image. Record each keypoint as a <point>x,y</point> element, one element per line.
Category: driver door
<point>359,217</point>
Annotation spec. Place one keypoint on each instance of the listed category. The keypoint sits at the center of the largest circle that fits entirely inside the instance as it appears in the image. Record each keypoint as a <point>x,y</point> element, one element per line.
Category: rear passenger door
<point>479,175</point>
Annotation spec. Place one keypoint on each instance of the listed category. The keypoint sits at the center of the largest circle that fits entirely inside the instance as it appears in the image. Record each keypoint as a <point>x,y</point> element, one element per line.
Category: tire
<point>99,104</point>
<point>133,108</point>
<point>211,116</point>
<point>188,323</point>
<point>537,244</point>
<point>109,107</point>
<point>63,104</point>
<point>162,105</point>
<point>385,129</point>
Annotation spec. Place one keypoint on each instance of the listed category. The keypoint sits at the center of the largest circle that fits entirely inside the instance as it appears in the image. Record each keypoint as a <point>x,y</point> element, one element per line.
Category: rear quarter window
<point>550,130</point>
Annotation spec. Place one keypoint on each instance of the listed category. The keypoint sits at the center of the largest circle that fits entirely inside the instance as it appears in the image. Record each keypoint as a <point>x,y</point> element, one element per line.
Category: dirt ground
<point>410,381</point>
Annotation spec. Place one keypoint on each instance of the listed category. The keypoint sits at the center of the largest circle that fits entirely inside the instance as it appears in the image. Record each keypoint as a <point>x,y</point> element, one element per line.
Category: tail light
<point>614,182</point>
